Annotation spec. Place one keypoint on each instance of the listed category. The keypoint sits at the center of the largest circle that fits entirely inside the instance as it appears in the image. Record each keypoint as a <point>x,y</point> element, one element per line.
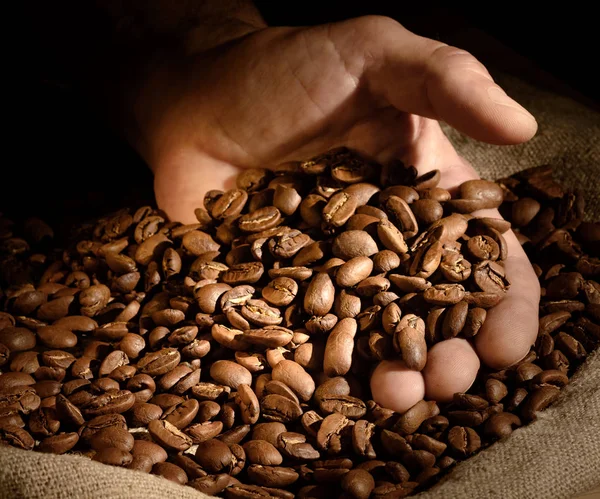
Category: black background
<point>64,164</point>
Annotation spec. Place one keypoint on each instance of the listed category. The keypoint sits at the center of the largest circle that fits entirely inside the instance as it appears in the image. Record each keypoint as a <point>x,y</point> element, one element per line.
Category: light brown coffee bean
<point>230,374</point>
<point>319,296</point>
<point>339,348</point>
<point>295,377</point>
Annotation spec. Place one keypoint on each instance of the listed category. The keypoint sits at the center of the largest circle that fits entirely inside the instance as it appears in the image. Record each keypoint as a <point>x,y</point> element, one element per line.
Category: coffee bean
<point>463,440</point>
<point>17,339</point>
<point>263,453</point>
<point>319,296</point>
<point>160,362</point>
<point>279,408</point>
<point>339,348</point>
<point>113,457</point>
<point>111,402</point>
<point>16,437</point>
<point>410,421</point>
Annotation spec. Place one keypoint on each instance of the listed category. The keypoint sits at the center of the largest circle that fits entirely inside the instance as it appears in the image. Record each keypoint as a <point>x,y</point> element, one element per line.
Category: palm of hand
<point>284,94</point>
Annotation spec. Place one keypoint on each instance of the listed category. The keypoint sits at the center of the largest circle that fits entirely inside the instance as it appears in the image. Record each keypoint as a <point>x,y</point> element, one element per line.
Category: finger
<point>425,77</point>
<point>511,327</point>
<point>396,387</point>
<point>451,367</point>
<point>180,184</point>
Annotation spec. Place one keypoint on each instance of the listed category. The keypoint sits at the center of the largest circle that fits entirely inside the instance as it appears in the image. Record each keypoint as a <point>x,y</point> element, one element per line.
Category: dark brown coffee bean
<point>391,237</point>
<point>358,483</point>
<point>171,472</point>
<point>294,376</point>
<point>268,432</point>
<point>354,243</point>
<point>501,425</point>
<point>279,408</point>
<point>572,348</point>
<point>169,436</point>
<point>201,432</point>
<point>410,343</point>
<point>213,484</point>
<point>42,423</point>
<point>401,215</point>
<point>230,203</point>
<point>272,476</point>
<point>340,207</point>
<point>410,421</point>
<point>281,291</point>
<point>550,377</point>
<point>10,380</point>
<point>263,453</point>
<point>160,362</point>
<point>385,260</point>
<point>111,402</point>
<point>112,437</point>
<point>425,442</point>
<point>235,435</point>
<point>319,296</point>
<point>58,444</point>
<point>444,294</point>
<point>113,457</point>
<point>259,220</point>
<point>17,339</point>
<point>339,348</point>
<point>538,400</point>
<point>142,414</point>
<point>67,411</point>
<point>16,437</point>
<point>191,468</point>
<point>214,456</point>
<point>463,441</point>
<point>183,414</point>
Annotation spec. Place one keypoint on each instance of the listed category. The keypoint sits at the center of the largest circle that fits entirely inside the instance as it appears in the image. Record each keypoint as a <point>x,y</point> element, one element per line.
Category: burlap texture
<point>557,456</point>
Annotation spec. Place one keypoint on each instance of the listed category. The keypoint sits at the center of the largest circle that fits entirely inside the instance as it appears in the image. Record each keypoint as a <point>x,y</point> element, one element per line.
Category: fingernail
<point>498,96</point>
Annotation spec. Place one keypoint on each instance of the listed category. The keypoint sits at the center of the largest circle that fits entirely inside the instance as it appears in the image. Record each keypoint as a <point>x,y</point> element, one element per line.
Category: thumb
<point>425,77</point>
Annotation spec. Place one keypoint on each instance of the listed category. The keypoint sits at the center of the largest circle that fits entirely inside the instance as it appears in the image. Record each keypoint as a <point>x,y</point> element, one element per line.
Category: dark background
<point>64,164</point>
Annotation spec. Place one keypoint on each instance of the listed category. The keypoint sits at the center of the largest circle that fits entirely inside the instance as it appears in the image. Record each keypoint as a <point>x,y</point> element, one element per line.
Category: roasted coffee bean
<point>410,421</point>
<point>501,425</point>
<point>281,291</point>
<point>16,437</point>
<point>358,483</point>
<point>17,339</point>
<point>279,408</point>
<point>111,402</point>
<point>339,348</point>
<point>272,476</point>
<point>353,243</point>
<point>263,453</point>
<point>168,435</point>
<point>463,440</point>
<point>201,432</point>
<point>538,400</point>
<point>214,456</point>
<point>171,472</point>
<point>182,414</point>
<point>112,437</point>
<point>113,456</point>
<point>319,296</point>
<point>160,362</point>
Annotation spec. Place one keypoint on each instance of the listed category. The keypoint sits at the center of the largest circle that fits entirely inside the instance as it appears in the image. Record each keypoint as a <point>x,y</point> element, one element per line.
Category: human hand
<point>286,94</point>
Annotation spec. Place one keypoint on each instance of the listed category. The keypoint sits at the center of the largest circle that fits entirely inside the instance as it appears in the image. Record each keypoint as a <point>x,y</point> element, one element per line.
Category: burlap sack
<point>557,456</point>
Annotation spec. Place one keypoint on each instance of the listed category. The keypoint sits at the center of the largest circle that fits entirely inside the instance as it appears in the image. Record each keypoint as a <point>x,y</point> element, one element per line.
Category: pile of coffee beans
<point>234,355</point>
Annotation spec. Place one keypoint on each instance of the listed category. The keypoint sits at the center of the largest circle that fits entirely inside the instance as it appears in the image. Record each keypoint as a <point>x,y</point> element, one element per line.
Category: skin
<point>286,94</point>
